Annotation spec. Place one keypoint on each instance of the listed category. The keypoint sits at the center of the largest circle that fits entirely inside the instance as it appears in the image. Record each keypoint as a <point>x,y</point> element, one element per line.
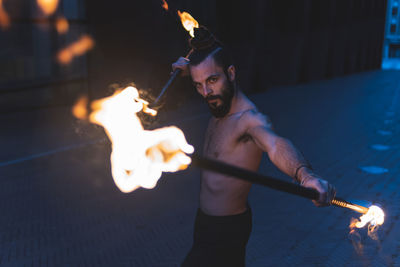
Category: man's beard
<point>226,101</point>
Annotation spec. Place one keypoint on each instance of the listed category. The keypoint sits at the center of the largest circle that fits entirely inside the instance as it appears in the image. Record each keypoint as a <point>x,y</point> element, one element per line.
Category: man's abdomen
<point>221,195</point>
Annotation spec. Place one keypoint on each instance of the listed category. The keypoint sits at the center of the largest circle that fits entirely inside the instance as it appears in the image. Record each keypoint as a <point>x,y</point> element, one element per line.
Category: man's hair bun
<point>203,39</point>
<point>204,44</point>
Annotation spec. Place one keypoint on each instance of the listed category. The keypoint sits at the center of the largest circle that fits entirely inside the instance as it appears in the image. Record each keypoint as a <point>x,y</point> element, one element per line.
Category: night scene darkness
<point>199,133</point>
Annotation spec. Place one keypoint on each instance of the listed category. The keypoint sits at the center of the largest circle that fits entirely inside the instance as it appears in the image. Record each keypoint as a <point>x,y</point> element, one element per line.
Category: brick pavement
<point>64,210</point>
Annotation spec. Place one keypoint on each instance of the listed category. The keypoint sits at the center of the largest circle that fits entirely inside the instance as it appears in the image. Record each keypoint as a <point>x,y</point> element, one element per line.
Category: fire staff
<point>237,134</point>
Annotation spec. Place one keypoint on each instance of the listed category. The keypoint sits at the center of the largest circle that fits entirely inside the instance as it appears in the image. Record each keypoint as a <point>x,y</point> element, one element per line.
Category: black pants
<point>219,240</point>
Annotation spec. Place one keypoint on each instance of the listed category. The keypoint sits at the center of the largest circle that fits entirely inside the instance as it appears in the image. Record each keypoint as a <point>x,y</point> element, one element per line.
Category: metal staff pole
<point>169,82</point>
<point>271,182</point>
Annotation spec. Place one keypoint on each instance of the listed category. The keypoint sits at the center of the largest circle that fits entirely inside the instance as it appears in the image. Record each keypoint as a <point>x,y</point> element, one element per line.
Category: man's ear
<point>231,73</point>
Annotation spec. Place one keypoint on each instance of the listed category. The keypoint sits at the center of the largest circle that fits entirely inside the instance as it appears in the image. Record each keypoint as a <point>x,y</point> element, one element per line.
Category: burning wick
<point>188,22</point>
<point>138,156</point>
<point>374,217</point>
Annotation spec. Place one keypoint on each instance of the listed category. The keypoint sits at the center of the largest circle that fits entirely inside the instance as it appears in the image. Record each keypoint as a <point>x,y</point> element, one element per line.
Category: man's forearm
<point>289,159</point>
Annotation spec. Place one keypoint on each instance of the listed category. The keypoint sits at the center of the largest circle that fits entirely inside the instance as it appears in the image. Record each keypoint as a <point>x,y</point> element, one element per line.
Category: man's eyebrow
<point>213,76</point>
<point>209,77</point>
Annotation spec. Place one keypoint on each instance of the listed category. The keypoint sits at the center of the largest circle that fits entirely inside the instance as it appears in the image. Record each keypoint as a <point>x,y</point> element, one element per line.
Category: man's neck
<point>238,103</point>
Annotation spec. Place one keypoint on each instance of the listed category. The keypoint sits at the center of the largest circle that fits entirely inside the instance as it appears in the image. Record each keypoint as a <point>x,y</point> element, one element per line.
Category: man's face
<point>212,83</point>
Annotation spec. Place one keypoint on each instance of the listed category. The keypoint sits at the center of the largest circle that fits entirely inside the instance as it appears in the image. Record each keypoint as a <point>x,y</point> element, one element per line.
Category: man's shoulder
<point>253,118</point>
<point>253,114</point>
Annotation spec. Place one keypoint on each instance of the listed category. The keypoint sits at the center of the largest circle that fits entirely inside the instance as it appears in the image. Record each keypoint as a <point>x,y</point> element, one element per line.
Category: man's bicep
<point>263,136</point>
<point>259,127</point>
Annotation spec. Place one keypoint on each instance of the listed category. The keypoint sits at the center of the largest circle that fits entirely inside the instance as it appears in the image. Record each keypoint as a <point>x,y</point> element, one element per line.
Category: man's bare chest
<point>224,138</point>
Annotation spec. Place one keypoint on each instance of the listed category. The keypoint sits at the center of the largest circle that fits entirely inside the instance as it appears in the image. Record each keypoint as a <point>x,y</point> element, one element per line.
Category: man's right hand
<point>183,64</point>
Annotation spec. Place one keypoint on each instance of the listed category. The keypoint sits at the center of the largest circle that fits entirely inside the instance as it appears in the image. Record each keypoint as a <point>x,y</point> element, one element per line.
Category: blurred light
<point>48,7</point>
<point>62,25</point>
<point>80,108</point>
<point>165,5</point>
<point>4,18</point>
<point>78,48</point>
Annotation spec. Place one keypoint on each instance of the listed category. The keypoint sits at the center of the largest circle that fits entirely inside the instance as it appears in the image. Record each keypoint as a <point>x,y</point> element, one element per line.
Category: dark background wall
<point>274,43</point>
<point>30,76</point>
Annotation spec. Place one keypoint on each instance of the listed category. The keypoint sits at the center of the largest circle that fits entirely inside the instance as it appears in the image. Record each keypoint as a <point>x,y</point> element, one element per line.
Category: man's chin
<point>218,112</point>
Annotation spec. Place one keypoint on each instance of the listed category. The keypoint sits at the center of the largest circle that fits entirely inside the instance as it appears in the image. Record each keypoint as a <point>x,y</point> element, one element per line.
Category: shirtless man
<point>237,134</point>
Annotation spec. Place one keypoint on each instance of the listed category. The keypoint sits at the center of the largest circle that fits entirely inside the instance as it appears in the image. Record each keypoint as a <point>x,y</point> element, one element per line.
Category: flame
<point>188,22</point>
<point>78,48</point>
<point>355,237</point>
<point>4,18</point>
<point>62,25</point>
<point>48,7</point>
<point>375,217</point>
<point>138,156</point>
<point>165,5</point>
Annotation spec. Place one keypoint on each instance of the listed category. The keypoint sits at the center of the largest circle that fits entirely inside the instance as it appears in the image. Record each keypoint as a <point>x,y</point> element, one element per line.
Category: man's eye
<point>213,80</point>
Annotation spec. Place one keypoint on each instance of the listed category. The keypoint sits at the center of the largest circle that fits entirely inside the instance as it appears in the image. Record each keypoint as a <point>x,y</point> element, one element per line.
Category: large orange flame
<point>48,7</point>
<point>138,156</point>
<point>188,22</point>
<point>78,48</point>
<point>4,18</point>
<point>165,5</point>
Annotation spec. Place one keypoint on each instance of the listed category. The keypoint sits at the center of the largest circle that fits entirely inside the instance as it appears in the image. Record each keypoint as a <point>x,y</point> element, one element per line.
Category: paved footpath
<point>60,207</point>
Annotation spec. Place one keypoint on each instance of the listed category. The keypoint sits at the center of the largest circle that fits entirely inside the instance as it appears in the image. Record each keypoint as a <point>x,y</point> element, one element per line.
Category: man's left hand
<point>326,191</point>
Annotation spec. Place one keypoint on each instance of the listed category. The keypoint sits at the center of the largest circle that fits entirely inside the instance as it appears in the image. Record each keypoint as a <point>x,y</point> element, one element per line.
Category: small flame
<point>78,48</point>
<point>165,5</point>
<point>4,18</point>
<point>62,25</point>
<point>48,7</point>
<point>188,22</point>
<point>138,156</point>
<point>375,217</point>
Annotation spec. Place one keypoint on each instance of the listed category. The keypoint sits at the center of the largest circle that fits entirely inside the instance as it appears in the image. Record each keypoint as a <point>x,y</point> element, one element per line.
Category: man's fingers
<point>181,63</point>
<point>323,197</point>
<point>331,193</point>
<point>325,192</point>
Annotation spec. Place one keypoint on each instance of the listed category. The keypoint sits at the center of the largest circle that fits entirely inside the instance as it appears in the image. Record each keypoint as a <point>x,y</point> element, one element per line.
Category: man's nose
<point>206,90</point>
